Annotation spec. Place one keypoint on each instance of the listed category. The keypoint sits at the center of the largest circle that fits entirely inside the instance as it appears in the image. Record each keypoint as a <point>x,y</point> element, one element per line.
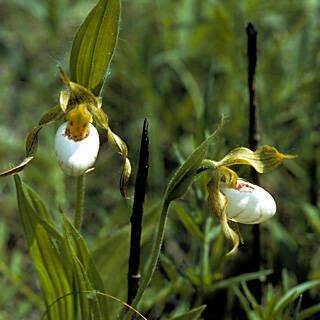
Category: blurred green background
<point>182,64</point>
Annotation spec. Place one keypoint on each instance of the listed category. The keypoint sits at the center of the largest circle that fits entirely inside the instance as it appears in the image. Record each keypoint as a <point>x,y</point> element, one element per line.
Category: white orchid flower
<point>77,140</point>
<point>248,203</point>
<point>76,157</point>
<point>234,200</point>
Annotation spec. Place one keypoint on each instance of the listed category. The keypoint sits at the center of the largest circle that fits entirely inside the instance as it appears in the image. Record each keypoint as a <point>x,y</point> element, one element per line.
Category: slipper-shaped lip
<point>248,203</point>
<point>76,157</point>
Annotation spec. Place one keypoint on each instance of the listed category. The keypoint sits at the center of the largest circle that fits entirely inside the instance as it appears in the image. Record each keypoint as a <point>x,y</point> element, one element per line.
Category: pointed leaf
<point>313,216</point>
<point>309,312</point>
<point>184,176</point>
<point>237,279</point>
<point>110,258</point>
<point>94,44</point>
<point>188,223</point>
<point>266,158</point>
<point>193,314</point>
<point>83,254</point>
<point>53,277</point>
<point>292,294</point>
<point>64,266</point>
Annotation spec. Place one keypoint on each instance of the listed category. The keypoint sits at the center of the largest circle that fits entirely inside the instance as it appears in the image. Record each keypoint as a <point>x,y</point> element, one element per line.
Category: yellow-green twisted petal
<point>264,159</point>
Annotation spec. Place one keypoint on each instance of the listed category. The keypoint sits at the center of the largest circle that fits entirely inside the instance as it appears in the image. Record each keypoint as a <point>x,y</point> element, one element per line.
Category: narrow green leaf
<point>254,304</point>
<point>237,279</point>
<point>292,294</point>
<point>193,314</point>
<point>111,259</point>
<point>243,301</point>
<point>65,268</point>
<point>43,249</point>
<point>313,217</point>
<point>91,271</point>
<point>94,44</point>
<point>309,312</point>
<point>170,268</point>
<point>188,223</point>
<point>184,176</point>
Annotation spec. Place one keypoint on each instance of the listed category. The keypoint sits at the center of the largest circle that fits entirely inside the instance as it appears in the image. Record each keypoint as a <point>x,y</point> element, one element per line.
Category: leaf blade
<point>193,314</point>
<point>94,44</point>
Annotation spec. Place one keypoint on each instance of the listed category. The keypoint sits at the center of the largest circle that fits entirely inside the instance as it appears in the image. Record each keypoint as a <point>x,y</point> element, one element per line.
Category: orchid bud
<point>248,203</point>
<point>75,157</point>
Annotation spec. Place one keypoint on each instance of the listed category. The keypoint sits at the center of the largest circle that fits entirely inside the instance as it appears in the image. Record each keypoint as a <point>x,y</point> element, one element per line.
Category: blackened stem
<point>137,215</point>
<point>253,140</point>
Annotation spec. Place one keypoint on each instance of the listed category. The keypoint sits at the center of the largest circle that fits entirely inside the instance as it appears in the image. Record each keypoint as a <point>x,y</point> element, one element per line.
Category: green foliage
<point>193,314</point>
<point>66,271</point>
<point>14,283</point>
<point>181,64</point>
<point>186,174</point>
<point>94,45</point>
<point>276,305</point>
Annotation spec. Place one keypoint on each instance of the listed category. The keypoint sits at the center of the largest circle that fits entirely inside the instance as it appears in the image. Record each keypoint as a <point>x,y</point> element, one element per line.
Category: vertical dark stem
<point>137,214</point>
<point>253,137</point>
<point>253,141</point>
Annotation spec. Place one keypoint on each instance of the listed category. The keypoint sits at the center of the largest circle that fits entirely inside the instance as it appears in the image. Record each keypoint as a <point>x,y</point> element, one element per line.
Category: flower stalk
<point>79,201</point>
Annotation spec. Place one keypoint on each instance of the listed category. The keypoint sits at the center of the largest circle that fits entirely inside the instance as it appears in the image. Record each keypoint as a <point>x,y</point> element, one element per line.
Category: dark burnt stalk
<point>137,215</point>
<point>253,141</point>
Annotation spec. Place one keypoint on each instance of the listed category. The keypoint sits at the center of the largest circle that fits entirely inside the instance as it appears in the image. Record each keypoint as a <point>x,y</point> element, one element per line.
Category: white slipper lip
<point>248,203</point>
<point>76,157</point>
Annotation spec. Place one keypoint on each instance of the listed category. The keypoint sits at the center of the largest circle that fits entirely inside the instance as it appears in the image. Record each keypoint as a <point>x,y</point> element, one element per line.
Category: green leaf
<point>63,263</point>
<point>44,252</point>
<point>309,312</point>
<point>250,297</point>
<point>111,256</point>
<point>184,176</point>
<point>193,314</point>
<point>237,279</point>
<point>312,214</point>
<point>188,223</point>
<point>94,45</point>
<point>243,301</point>
<point>292,294</point>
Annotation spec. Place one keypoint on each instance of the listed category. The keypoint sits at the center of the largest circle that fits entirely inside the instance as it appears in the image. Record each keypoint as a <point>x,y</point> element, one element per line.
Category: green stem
<point>205,254</point>
<point>79,202</point>
<point>154,258</point>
